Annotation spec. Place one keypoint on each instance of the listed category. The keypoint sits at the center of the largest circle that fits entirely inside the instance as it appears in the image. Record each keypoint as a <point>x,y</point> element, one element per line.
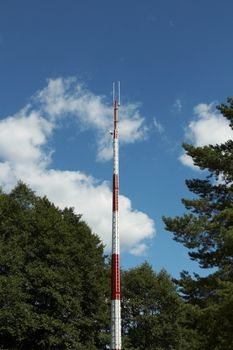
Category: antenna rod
<point>115,293</point>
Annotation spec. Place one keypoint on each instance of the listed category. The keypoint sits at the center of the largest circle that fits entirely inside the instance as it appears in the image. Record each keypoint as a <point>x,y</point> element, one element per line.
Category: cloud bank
<point>25,155</point>
<point>209,127</point>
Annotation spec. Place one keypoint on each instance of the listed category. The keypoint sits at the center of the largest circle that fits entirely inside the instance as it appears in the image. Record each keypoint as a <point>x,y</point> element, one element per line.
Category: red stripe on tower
<point>116,293</point>
<point>115,192</point>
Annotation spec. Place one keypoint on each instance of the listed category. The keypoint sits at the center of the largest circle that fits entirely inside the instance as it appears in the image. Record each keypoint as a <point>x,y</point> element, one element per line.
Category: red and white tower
<point>116,293</point>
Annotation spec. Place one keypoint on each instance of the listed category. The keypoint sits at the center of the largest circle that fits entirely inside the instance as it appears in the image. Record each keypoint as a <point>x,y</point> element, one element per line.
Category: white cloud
<point>140,249</point>
<point>208,127</point>
<point>68,97</point>
<point>27,132</point>
<point>187,160</point>
<point>25,155</point>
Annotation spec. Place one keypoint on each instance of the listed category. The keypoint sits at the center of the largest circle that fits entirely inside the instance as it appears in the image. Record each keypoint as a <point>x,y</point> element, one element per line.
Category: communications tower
<point>115,290</point>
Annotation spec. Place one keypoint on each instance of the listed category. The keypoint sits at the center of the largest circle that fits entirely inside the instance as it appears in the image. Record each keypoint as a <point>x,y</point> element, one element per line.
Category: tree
<point>151,310</point>
<point>52,276</point>
<point>207,231</point>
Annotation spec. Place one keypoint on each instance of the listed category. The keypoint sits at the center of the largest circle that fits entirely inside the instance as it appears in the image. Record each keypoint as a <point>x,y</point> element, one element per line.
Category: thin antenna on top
<point>113,93</point>
<point>116,94</point>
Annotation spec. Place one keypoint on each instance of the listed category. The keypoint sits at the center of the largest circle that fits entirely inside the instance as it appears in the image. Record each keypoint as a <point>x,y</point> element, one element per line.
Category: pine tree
<point>207,231</point>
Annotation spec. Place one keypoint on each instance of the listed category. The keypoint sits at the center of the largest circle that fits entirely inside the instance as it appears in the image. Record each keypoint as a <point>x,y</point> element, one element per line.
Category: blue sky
<point>57,63</point>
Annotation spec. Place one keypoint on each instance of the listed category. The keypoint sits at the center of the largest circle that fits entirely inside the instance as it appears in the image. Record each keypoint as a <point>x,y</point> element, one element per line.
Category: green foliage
<point>55,286</point>
<point>151,310</point>
<point>207,231</point>
<point>52,276</point>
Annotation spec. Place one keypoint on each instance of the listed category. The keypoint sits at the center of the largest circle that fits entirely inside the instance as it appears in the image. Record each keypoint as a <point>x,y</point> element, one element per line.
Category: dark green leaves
<point>52,276</point>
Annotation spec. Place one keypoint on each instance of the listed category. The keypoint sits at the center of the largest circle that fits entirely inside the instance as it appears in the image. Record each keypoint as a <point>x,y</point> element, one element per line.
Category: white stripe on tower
<point>116,294</point>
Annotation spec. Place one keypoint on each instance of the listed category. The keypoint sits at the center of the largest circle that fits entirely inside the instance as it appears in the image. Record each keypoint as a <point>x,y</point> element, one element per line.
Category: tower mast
<point>115,293</point>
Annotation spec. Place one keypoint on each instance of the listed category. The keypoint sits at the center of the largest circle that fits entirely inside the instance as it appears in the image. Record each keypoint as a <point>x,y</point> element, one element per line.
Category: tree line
<point>55,278</point>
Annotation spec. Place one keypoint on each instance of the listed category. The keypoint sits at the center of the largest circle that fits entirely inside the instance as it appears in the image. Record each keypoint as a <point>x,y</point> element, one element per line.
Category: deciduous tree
<point>52,276</point>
